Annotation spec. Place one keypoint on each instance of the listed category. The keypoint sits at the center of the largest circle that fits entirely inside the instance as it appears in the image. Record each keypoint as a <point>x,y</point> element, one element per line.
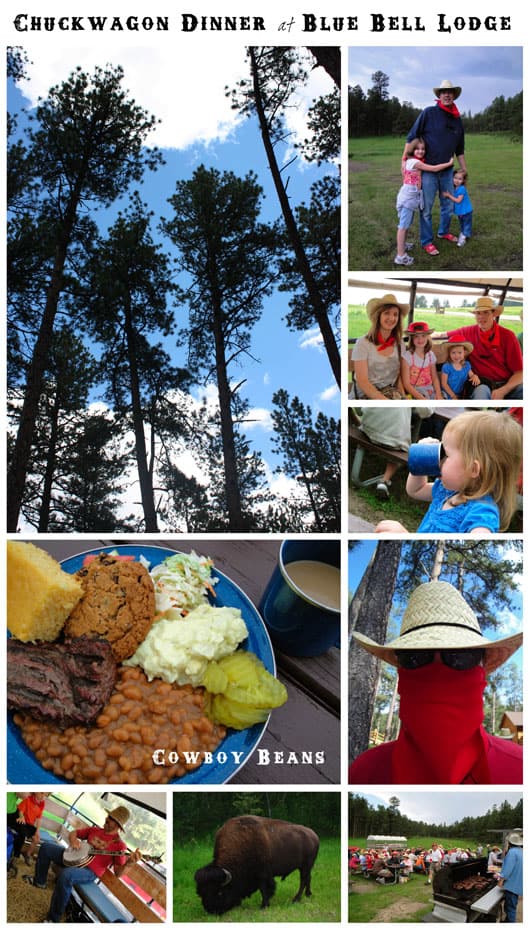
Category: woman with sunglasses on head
<point>442,661</point>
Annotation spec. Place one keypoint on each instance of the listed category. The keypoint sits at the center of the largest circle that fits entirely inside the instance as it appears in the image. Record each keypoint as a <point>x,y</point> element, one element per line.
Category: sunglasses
<point>458,659</point>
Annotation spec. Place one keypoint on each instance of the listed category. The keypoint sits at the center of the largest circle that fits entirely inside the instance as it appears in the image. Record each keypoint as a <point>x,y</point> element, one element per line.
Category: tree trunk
<point>313,293</point>
<point>329,59</point>
<point>390,717</point>
<point>144,475</point>
<point>438,561</point>
<point>369,614</point>
<point>44,512</point>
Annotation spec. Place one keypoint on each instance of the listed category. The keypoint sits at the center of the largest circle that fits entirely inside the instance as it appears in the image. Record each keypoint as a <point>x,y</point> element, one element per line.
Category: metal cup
<point>425,458</point>
<point>297,623</point>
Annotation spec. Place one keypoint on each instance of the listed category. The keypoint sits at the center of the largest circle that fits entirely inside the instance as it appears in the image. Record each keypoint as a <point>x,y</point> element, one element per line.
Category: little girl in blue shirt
<point>462,206</point>
<point>477,490</point>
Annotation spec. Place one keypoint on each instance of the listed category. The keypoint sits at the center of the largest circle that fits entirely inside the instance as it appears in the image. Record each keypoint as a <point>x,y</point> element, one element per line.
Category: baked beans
<point>140,717</point>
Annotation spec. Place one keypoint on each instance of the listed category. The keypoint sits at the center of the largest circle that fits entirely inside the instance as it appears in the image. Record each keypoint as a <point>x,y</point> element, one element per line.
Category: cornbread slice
<point>40,595</point>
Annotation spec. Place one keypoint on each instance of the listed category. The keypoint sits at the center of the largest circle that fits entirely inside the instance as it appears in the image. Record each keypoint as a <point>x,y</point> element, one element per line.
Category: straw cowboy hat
<point>487,303</point>
<point>447,85</point>
<point>514,838</point>
<point>120,815</point>
<point>438,617</point>
<point>375,303</point>
<point>452,343</point>
<point>417,329</point>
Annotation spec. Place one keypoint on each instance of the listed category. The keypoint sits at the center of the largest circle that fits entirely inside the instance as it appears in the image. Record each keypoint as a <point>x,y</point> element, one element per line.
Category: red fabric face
<point>452,110</point>
<point>440,741</point>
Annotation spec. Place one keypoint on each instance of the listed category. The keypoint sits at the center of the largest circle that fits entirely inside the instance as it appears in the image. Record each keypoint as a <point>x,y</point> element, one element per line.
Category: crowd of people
<point>383,862</point>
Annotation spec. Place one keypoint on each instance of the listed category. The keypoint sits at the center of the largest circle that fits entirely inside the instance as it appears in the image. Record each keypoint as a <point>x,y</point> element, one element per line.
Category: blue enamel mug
<point>425,458</point>
<point>301,603</point>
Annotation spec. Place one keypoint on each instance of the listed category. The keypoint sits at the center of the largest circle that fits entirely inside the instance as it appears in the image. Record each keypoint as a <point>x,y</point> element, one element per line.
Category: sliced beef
<point>67,683</point>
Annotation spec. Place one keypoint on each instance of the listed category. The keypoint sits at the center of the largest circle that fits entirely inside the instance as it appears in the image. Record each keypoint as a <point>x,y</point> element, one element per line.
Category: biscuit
<point>118,604</point>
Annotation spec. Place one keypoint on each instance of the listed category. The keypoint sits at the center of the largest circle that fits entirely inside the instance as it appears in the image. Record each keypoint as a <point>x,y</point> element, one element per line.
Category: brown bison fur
<point>249,852</point>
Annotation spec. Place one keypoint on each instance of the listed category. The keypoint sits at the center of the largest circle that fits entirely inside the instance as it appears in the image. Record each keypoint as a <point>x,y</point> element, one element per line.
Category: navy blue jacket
<point>442,133</point>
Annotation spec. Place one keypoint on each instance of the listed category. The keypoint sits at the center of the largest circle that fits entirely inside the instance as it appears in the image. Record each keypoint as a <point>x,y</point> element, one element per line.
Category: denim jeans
<point>433,183</point>
<point>510,906</point>
<point>466,224</point>
<point>52,852</point>
<point>483,392</point>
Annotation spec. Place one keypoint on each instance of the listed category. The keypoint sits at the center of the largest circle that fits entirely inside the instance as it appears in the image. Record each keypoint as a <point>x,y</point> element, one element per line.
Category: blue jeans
<point>510,906</point>
<point>433,183</point>
<point>466,224</point>
<point>69,876</point>
<point>483,392</point>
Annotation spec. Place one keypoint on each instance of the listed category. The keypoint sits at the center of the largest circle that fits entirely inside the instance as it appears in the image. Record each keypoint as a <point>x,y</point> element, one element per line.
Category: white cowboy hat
<point>447,85</point>
<point>452,343</point>
<point>514,838</point>
<point>438,617</point>
<point>375,303</point>
<point>487,303</point>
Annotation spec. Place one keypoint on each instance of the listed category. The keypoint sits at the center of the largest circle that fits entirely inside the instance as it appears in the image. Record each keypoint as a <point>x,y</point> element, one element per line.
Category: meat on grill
<point>475,882</point>
<point>67,683</point>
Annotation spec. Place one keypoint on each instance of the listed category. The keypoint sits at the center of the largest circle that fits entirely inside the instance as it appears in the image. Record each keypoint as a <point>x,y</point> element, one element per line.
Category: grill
<point>464,892</point>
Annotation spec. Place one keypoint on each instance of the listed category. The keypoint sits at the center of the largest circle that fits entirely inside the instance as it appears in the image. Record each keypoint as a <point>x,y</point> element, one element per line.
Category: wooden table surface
<point>302,738</point>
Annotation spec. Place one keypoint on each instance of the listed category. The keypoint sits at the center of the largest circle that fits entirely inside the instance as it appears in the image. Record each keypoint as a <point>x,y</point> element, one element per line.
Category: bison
<point>249,851</point>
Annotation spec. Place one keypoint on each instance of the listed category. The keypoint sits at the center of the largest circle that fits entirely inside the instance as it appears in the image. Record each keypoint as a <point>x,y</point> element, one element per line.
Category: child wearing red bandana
<point>442,660</point>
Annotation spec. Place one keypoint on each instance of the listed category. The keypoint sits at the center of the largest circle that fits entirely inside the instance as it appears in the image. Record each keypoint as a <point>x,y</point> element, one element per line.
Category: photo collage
<point>264,459</point>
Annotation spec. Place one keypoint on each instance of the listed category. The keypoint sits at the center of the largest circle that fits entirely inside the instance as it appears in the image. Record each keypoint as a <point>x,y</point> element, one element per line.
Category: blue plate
<point>22,766</point>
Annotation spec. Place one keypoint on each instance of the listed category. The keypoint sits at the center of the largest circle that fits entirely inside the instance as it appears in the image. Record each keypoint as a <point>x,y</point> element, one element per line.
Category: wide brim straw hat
<point>120,815</point>
<point>447,85</point>
<point>444,347</point>
<point>375,303</point>
<point>487,303</point>
<point>438,617</point>
<point>514,838</point>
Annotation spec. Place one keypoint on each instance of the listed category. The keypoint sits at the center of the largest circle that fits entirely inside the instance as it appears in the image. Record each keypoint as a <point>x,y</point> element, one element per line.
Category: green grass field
<point>358,323</point>
<point>495,166</point>
<point>323,905</point>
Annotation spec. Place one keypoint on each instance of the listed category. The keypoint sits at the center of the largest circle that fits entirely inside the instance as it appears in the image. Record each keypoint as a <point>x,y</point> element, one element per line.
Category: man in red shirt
<point>106,838</point>
<point>442,660</point>
<point>496,357</point>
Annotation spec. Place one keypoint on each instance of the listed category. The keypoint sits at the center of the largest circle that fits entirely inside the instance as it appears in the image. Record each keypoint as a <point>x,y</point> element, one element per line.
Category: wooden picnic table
<point>309,722</point>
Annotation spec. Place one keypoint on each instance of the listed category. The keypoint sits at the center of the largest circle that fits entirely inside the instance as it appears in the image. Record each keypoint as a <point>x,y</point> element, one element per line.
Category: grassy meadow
<point>495,185</point>
<point>454,318</point>
<point>322,907</point>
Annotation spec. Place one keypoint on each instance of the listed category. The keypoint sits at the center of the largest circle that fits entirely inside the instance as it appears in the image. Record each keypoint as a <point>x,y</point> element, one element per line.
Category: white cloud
<point>311,339</point>
<point>329,393</point>
<point>258,418</point>
<point>185,91</point>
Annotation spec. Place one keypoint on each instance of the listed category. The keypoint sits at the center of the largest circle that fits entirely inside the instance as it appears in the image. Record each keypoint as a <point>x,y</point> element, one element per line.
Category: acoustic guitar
<point>86,853</point>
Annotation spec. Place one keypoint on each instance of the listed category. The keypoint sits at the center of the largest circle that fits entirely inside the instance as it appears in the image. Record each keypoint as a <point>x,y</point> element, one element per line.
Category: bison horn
<point>228,877</point>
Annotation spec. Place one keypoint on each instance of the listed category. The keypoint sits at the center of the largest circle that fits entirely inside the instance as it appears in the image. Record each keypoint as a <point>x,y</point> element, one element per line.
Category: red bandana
<point>384,343</point>
<point>452,110</point>
<point>441,739</point>
<point>491,338</point>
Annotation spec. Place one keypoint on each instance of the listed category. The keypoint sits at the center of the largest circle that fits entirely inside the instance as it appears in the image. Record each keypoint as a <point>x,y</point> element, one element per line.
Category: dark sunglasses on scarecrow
<point>460,660</point>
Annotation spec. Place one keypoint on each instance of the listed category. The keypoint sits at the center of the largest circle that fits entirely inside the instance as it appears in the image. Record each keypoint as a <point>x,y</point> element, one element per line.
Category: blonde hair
<point>495,441</point>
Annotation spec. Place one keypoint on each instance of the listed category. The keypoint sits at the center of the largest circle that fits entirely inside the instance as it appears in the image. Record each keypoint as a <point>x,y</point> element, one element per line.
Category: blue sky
<point>200,128</point>
<point>482,72</point>
<point>445,806</point>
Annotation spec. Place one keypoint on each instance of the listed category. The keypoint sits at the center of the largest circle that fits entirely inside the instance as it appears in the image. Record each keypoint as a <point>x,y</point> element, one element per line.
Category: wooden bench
<point>113,900</point>
<point>362,444</point>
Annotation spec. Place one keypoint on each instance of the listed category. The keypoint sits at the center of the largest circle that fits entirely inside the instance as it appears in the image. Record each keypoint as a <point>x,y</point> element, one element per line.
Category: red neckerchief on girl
<point>384,343</point>
<point>452,110</point>
<point>491,338</point>
<point>441,739</point>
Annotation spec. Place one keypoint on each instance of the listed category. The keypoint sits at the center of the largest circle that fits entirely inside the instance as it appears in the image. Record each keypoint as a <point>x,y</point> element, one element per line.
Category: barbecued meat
<point>67,682</point>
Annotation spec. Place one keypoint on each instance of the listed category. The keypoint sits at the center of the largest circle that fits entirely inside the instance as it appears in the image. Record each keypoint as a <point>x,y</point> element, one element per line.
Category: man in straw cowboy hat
<point>106,838</point>
<point>511,875</point>
<point>496,357</point>
<point>442,661</point>
<point>441,129</point>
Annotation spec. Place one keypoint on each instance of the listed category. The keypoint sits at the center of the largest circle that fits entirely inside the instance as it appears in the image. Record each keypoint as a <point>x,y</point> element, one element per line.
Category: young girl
<point>418,364</point>
<point>476,492</point>
<point>456,369</point>
<point>463,207</point>
<point>409,196</point>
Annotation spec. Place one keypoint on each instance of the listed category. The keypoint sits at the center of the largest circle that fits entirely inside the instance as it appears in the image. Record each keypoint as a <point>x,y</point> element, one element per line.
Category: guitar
<point>86,853</point>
